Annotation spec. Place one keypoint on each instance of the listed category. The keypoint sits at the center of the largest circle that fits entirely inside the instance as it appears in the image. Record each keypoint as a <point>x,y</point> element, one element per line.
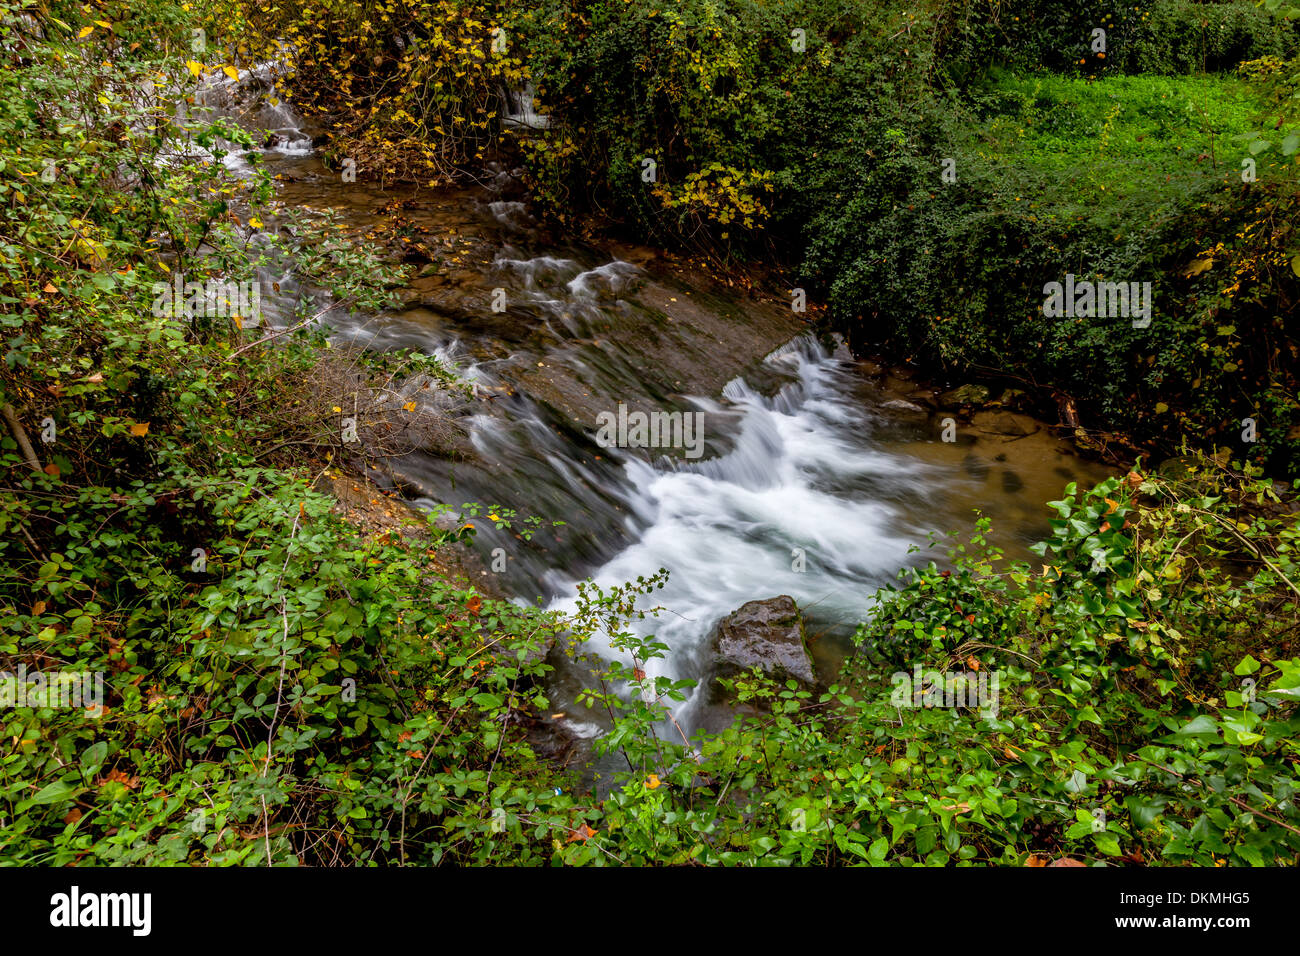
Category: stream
<point>820,476</point>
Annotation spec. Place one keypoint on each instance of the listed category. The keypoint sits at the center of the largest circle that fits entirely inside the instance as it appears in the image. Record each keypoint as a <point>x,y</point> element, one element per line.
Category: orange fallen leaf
<point>652,782</point>
<point>139,429</point>
<point>474,605</point>
<point>583,833</point>
<point>38,608</point>
<point>1035,860</point>
<point>1066,861</point>
<point>50,288</point>
<point>72,816</point>
<point>117,776</point>
<point>52,470</point>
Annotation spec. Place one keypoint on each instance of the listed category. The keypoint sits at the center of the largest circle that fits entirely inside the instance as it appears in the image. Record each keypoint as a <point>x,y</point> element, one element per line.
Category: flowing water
<point>819,476</point>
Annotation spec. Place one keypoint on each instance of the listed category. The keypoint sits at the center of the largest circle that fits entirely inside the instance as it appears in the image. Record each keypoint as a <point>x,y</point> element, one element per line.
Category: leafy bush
<point>1145,710</point>
<point>1149,36</point>
<point>1128,179</point>
<point>279,687</point>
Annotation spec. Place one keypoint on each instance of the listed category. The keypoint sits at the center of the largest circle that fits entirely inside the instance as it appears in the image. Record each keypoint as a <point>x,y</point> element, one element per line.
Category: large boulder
<point>768,634</point>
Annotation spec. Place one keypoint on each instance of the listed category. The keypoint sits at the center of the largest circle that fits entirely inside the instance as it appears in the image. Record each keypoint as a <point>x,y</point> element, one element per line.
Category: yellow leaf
<point>652,782</point>
<point>231,72</point>
<point>85,32</point>
<point>106,26</point>
<point>194,68</point>
<point>140,428</point>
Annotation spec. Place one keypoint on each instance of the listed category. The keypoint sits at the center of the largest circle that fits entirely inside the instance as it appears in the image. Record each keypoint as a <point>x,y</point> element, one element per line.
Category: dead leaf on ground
<point>117,776</point>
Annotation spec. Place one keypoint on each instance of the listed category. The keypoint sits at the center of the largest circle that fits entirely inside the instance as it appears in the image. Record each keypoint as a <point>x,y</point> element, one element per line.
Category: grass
<point>1123,152</point>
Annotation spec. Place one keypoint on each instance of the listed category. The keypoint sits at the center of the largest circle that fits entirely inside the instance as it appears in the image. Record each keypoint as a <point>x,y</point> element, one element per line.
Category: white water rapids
<point>779,513</point>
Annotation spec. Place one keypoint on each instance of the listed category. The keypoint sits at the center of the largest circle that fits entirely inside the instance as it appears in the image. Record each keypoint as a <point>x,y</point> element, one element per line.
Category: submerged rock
<point>768,634</point>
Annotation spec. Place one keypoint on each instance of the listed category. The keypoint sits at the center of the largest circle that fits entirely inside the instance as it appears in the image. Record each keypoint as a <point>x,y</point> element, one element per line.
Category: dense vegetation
<point>877,150</point>
<point>286,687</point>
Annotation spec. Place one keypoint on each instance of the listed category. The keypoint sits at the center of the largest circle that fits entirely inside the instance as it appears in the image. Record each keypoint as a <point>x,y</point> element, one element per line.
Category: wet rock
<point>1012,398</point>
<point>908,411</point>
<point>964,395</point>
<point>767,634</point>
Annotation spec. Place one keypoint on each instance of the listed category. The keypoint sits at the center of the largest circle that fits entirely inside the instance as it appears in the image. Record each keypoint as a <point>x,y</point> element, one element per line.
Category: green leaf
<point>54,792</point>
<point>1108,844</point>
<point>1201,726</point>
<point>92,758</point>
<point>1248,665</point>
